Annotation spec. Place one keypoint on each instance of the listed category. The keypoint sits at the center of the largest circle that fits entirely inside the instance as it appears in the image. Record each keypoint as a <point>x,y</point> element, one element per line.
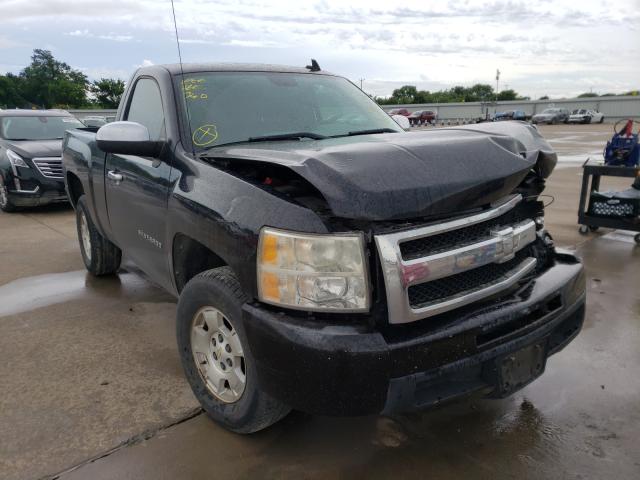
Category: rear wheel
<point>5,202</point>
<point>601,119</point>
<point>215,354</point>
<point>100,256</point>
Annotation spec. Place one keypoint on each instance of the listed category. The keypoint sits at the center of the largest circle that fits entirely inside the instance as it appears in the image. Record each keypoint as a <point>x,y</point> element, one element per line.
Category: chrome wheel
<point>85,236</point>
<point>218,354</point>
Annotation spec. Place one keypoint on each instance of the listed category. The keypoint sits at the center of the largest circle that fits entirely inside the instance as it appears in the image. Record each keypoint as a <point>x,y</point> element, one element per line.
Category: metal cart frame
<point>591,222</point>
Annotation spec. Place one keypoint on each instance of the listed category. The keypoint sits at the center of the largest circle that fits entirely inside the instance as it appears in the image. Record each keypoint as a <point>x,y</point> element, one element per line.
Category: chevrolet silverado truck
<point>324,259</point>
<point>30,163</point>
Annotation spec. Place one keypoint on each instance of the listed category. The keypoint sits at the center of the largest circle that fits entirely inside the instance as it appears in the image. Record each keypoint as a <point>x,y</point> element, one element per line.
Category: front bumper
<point>33,189</point>
<point>349,369</point>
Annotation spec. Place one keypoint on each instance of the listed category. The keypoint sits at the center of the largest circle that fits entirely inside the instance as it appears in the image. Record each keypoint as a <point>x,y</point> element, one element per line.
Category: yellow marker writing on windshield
<point>205,135</point>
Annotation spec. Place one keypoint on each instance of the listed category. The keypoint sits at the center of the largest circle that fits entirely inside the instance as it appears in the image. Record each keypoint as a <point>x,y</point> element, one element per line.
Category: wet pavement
<point>92,385</point>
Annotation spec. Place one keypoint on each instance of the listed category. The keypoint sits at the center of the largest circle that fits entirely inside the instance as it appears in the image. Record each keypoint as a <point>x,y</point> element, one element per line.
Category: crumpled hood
<point>408,175</point>
<point>36,148</point>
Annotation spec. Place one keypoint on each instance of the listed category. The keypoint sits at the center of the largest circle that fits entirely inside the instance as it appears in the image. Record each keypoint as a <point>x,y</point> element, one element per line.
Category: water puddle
<point>30,293</point>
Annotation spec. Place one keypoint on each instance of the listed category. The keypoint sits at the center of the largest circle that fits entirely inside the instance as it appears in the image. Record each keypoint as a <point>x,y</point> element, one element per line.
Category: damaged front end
<point>458,286</point>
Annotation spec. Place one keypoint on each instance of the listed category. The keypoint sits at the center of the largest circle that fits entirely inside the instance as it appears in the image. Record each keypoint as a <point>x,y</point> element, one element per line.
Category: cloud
<point>436,43</point>
<point>110,36</point>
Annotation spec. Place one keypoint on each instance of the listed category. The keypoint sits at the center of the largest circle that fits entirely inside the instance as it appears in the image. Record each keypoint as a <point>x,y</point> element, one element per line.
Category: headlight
<point>312,272</point>
<point>16,161</point>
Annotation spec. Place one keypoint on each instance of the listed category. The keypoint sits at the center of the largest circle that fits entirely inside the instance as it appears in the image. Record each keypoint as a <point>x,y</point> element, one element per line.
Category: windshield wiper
<point>287,136</point>
<point>371,131</point>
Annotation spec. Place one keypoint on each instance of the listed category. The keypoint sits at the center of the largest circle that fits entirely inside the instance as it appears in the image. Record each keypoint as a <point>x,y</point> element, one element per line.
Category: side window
<point>146,108</point>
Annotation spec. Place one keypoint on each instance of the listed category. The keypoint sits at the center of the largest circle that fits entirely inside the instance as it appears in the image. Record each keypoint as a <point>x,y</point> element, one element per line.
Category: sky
<point>558,48</point>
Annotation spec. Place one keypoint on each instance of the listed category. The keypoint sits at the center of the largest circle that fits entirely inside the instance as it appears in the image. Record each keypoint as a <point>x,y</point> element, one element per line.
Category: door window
<point>146,108</point>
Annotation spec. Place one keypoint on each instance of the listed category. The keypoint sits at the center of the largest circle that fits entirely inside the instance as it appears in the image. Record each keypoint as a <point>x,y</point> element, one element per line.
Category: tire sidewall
<point>201,292</point>
<point>7,207</point>
<point>81,209</point>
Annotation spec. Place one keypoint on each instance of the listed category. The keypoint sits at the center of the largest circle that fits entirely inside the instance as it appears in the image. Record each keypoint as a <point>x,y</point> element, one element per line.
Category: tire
<point>5,202</point>
<point>637,238</point>
<point>583,229</point>
<point>601,120</point>
<point>214,298</point>
<point>588,120</point>
<point>100,256</point>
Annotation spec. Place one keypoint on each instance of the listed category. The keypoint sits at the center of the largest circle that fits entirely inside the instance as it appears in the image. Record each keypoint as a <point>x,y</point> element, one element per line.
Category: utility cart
<point>594,212</point>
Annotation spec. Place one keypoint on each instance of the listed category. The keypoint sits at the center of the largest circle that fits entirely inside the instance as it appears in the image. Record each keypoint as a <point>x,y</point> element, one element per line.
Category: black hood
<point>36,148</point>
<point>408,175</point>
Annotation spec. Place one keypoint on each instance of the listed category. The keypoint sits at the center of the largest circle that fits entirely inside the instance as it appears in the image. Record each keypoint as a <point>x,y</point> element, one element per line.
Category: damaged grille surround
<point>490,259</point>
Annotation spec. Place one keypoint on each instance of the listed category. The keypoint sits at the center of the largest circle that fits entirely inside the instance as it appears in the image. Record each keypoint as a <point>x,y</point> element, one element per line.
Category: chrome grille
<point>50,167</point>
<point>482,255</point>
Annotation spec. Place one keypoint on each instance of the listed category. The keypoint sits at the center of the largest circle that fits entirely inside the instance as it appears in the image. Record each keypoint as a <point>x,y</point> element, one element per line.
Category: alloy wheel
<point>218,354</point>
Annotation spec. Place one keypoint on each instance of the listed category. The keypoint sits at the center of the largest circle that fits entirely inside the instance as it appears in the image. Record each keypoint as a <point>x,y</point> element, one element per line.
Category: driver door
<point>137,188</point>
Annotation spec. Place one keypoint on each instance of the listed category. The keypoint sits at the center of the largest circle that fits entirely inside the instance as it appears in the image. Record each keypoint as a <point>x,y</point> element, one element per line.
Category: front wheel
<point>5,202</point>
<point>215,354</point>
<point>601,120</point>
<point>100,256</point>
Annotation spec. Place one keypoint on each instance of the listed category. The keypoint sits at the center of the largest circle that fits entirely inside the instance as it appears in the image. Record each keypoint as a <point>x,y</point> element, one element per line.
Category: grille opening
<point>468,235</point>
<point>510,327</point>
<point>49,167</point>
<point>423,294</point>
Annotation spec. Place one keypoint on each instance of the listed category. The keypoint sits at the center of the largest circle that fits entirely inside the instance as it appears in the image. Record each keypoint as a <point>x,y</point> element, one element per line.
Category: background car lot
<point>92,370</point>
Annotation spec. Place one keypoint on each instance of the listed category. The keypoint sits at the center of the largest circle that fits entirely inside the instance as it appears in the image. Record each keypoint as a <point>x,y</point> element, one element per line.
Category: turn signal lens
<point>312,272</point>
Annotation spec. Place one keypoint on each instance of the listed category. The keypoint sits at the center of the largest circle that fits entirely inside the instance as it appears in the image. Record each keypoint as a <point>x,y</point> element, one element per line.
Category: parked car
<point>95,121</point>
<point>325,259</point>
<point>420,117</point>
<point>586,116</point>
<point>551,116</point>
<point>511,115</point>
<point>400,111</point>
<point>30,151</point>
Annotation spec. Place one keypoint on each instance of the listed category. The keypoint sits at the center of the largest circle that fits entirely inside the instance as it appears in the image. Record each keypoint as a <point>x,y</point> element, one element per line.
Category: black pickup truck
<point>325,259</point>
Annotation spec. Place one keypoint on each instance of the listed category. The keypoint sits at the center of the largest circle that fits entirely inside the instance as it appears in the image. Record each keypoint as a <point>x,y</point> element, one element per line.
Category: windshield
<point>36,128</point>
<point>228,107</point>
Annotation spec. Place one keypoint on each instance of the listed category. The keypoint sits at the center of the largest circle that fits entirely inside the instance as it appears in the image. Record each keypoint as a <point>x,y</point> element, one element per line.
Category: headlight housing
<point>16,161</point>
<point>313,272</point>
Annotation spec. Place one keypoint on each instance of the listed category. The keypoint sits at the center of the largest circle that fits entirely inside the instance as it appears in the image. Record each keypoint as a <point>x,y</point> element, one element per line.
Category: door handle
<point>114,176</point>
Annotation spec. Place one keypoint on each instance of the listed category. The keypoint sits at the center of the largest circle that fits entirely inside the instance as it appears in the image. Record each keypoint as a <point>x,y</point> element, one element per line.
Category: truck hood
<point>36,148</point>
<point>408,175</point>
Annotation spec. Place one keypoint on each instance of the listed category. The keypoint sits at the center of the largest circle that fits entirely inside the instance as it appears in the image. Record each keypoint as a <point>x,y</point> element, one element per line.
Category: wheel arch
<point>74,188</point>
<point>191,257</point>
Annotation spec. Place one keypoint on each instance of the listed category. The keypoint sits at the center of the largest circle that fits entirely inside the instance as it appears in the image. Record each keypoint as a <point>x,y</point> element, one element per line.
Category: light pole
<point>362,80</point>
<point>497,83</point>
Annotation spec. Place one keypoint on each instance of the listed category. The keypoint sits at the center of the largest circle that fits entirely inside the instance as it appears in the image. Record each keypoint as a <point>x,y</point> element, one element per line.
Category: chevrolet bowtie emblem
<point>508,243</point>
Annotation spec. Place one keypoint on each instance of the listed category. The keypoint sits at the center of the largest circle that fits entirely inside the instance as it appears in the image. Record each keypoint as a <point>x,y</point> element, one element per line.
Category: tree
<point>480,92</point>
<point>10,96</point>
<point>587,95</point>
<point>108,92</point>
<point>544,97</point>
<point>405,94</point>
<point>508,95</point>
<point>48,82</point>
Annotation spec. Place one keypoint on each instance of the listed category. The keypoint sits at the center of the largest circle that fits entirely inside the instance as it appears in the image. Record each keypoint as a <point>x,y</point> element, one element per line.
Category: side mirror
<point>127,138</point>
<point>402,121</point>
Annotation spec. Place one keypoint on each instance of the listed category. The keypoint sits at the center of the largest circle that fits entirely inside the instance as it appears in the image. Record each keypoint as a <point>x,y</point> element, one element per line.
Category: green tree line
<point>50,83</point>
<point>479,92</point>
